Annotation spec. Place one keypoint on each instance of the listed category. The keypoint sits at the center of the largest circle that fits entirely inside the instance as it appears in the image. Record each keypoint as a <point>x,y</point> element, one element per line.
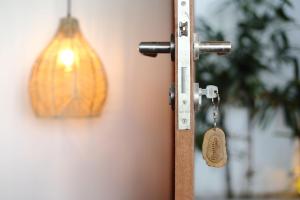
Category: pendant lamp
<point>68,79</point>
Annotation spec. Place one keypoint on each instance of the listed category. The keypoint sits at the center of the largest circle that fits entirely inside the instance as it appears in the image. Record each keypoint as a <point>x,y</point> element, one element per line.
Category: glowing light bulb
<point>68,79</point>
<point>67,58</point>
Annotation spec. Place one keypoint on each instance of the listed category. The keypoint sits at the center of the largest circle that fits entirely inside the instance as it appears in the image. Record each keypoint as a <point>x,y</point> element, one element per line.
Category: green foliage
<point>261,45</point>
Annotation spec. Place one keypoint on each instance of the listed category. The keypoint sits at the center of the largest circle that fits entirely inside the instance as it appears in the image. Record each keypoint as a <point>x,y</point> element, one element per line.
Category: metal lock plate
<point>184,65</point>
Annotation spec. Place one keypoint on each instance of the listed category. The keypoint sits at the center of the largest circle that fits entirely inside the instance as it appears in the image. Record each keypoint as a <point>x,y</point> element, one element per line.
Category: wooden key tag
<point>214,148</point>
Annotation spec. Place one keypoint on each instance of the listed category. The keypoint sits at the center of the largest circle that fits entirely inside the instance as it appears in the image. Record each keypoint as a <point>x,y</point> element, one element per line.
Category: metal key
<point>211,92</point>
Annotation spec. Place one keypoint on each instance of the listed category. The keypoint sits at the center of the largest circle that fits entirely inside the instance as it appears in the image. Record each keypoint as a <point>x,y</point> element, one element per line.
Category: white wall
<point>123,155</point>
<point>272,154</point>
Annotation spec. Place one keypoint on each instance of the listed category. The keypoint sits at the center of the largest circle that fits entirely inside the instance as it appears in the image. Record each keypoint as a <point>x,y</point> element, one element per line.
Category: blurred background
<point>260,98</point>
<point>127,152</point>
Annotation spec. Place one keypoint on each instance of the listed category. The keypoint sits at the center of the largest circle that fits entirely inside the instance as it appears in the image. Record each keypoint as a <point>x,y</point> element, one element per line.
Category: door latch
<point>183,29</point>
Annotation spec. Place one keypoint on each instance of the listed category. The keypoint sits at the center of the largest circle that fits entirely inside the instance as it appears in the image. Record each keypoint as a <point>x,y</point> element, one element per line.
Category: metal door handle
<point>218,47</point>
<point>153,48</point>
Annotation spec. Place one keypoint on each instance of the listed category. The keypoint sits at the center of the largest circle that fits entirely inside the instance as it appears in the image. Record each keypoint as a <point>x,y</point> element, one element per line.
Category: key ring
<point>214,142</point>
<point>216,108</point>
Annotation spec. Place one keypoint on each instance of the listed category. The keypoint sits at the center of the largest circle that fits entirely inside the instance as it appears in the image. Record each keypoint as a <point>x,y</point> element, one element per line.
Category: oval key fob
<point>214,148</point>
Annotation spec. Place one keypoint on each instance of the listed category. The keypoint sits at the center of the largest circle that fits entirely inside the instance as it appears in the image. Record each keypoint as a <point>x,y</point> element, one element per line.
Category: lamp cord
<point>69,5</point>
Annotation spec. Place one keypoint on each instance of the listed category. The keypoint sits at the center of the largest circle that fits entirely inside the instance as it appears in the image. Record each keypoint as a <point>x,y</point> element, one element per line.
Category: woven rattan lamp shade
<point>67,79</point>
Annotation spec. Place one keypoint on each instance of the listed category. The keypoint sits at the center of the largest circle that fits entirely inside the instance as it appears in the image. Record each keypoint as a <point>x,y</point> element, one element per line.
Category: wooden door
<point>183,49</point>
<point>184,67</point>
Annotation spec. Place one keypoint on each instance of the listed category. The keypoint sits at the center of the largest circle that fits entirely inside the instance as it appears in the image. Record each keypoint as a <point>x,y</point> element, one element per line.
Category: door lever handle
<point>153,48</point>
<point>218,47</point>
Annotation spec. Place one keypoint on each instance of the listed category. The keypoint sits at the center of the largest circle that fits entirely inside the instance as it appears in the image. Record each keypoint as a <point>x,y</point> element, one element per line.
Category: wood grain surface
<point>214,148</point>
